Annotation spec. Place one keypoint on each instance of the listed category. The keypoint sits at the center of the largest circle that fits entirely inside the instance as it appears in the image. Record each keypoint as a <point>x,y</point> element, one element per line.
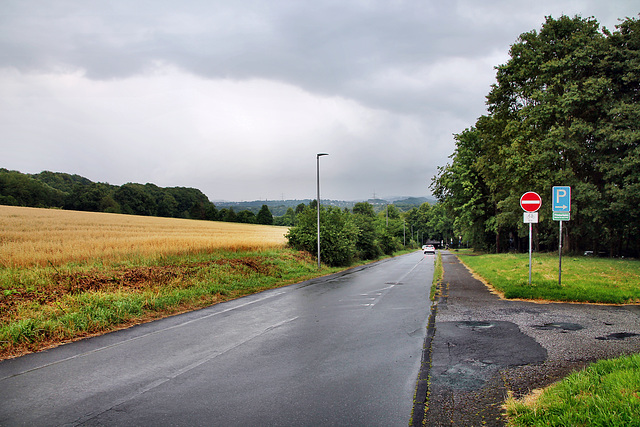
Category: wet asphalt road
<point>484,347</point>
<point>339,350</point>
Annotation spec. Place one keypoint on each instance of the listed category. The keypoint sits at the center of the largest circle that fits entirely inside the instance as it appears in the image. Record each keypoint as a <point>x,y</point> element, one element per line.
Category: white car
<point>429,249</point>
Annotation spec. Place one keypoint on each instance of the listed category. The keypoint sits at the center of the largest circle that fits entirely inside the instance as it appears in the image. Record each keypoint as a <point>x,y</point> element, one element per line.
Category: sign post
<point>530,203</point>
<point>561,205</point>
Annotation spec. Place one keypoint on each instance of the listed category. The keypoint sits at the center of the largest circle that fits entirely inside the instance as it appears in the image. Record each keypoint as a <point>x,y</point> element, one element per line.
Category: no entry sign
<point>530,201</point>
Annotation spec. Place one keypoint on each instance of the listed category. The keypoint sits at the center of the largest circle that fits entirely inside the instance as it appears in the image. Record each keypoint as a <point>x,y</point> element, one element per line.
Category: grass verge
<point>438,274</point>
<point>41,307</point>
<point>44,306</point>
<point>584,279</point>
<point>606,393</point>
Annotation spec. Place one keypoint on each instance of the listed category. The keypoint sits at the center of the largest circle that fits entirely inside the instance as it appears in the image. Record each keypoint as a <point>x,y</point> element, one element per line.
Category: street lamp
<point>318,199</point>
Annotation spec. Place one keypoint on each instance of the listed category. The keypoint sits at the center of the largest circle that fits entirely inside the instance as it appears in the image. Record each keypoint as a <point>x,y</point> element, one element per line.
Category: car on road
<point>429,249</point>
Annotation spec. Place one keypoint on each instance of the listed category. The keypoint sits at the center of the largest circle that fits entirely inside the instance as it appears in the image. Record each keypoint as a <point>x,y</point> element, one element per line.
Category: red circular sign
<point>530,201</point>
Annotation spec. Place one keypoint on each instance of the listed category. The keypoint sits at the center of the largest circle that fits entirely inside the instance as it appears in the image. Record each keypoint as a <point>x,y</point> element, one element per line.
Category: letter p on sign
<point>561,199</point>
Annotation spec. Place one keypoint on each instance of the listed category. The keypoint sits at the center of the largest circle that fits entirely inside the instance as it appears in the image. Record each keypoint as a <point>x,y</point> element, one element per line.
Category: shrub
<point>338,235</point>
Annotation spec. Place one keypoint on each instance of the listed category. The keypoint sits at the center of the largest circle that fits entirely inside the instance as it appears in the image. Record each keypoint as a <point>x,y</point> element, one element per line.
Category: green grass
<point>607,393</point>
<point>584,279</point>
<point>438,274</point>
<point>44,306</point>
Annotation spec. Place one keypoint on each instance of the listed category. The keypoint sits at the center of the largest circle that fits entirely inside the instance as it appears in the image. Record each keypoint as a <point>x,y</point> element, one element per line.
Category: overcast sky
<point>235,98</point>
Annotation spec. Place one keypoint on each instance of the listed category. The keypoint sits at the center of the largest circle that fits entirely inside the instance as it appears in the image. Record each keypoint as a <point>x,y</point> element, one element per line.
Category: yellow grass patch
<point>31,236</point>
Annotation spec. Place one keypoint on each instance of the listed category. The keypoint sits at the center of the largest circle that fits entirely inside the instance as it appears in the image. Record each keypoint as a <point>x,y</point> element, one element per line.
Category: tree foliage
<point>564,111</point>
<point>60,190</point>
<point>338,235</point>
<point>17,189</point>
<point>367,240</point>
<point>362,234</point>
<point>264,217</point>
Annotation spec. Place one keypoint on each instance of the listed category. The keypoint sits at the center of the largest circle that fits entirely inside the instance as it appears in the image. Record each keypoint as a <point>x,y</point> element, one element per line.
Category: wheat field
<point>33,236</point>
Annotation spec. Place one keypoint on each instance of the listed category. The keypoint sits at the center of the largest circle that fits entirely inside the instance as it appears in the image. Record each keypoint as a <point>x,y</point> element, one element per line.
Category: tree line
<point>74,192</point>
<point>362,234</point>
<point>385,227</point>
<point>366,231</point>
<point>565,110</point>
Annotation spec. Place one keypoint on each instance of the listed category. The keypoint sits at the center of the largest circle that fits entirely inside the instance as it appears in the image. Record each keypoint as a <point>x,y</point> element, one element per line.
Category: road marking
<point>384,291</point>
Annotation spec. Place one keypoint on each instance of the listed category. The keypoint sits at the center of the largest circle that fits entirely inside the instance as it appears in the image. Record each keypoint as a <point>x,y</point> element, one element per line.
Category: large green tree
<point>367,239</point>
<point>264,216</point>
<point>463,192</point>
<point>564,111</point>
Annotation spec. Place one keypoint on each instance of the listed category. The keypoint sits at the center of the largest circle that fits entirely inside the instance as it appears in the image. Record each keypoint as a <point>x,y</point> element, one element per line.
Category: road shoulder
<point>483,347</point>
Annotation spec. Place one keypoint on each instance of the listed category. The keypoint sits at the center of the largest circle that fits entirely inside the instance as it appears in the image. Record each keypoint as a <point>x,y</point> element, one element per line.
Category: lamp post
<point>404,233</point>
<point>318,199</point>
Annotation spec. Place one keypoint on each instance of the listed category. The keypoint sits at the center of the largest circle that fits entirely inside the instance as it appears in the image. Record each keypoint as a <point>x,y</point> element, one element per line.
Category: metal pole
<point>560,256</point>
<point>318,199</point>
<point>530,227</point>
<point>387,206</point>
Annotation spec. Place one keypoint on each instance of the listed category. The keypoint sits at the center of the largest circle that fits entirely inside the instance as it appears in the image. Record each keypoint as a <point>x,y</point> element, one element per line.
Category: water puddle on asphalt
<point>617,336</point>
<point>474,325</point>
<point>570,327</point>
<point>562,326</point>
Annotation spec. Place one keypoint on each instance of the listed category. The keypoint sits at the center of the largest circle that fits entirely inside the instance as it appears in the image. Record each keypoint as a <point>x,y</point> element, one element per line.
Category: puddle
<point>462,377</point>
<point>475,325</point>
<point>617,336</point>
<point>560,325</point>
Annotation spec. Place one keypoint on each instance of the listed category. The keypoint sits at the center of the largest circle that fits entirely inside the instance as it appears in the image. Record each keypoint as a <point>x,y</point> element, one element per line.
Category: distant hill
<point>279,207</point>
<point>74,192</point>
<point>411,202</point>
<point>69,191</point>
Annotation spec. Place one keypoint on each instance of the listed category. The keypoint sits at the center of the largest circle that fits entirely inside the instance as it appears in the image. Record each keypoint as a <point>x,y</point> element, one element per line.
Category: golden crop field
<point>32,236</point>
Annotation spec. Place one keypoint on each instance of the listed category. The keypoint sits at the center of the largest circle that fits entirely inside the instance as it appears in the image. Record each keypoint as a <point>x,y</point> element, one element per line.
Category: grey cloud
<point>322,46</point>
<point>419,69</point>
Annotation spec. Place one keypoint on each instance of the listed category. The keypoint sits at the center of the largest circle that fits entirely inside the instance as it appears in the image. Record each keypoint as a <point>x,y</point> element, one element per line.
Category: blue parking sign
<point>561,199</point>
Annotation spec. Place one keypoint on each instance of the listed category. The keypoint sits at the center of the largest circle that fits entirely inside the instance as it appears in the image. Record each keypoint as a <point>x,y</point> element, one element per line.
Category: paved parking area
<point>484,346</point>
